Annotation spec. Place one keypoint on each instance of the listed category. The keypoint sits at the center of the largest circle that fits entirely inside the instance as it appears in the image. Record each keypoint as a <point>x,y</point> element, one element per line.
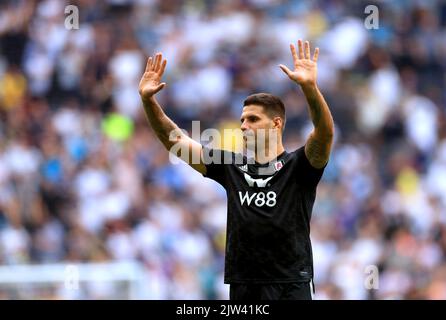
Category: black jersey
<point>269,212</point>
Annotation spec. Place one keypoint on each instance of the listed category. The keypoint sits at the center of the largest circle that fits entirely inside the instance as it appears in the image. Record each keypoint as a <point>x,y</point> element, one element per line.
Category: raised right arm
<point>170,135</point>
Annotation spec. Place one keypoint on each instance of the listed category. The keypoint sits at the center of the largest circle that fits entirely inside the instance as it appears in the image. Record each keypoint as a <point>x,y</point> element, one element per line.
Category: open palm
<point>150,81</point>
<point>305,68</point>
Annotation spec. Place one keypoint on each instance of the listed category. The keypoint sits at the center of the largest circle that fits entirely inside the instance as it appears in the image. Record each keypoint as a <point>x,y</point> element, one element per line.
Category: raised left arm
<point>319,143</point>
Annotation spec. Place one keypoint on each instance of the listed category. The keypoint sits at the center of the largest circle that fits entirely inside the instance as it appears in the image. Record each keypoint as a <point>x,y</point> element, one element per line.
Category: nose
<point>244,126</point>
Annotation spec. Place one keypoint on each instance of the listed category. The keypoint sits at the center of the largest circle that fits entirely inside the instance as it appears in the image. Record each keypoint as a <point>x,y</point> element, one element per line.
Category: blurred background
<point>92,208</point>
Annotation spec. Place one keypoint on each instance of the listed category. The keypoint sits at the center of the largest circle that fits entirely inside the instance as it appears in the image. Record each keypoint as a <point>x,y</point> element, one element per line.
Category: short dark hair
<point>272,105</point>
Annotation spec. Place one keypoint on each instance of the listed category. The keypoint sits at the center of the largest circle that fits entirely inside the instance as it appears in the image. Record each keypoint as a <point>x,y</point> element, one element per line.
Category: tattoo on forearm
<point>319,112</point>
<point>318,145</point>
<point>315,110</point>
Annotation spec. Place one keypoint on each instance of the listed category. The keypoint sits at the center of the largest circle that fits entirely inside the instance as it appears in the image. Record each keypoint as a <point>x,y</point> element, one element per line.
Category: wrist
<point>147,100</point>
<point>308,87</point>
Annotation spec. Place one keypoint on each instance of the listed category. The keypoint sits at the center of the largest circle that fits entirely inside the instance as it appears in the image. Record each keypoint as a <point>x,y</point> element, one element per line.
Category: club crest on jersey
<point>260,183</point>
<point>244,168</point>
<point>278,165</point>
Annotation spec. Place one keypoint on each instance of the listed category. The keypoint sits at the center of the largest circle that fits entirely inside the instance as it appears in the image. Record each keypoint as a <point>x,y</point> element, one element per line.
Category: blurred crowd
<point>84,179</point>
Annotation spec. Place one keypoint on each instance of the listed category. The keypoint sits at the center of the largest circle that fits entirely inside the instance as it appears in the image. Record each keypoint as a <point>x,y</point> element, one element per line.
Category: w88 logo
<point>258,198</point>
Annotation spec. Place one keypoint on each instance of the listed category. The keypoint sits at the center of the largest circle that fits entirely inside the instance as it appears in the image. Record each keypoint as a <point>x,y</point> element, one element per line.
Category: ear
<point>277,122</point>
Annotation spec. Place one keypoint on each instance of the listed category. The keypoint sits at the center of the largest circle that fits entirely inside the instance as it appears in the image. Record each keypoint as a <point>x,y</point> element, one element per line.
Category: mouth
<point>247,134</point>
<point>248,138</point>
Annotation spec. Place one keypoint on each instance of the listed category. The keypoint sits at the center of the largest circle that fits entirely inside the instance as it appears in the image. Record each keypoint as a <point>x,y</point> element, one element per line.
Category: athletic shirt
<point>268,217</point>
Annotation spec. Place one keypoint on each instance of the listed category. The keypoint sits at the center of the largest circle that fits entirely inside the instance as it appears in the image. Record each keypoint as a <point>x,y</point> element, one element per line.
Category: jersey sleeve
<point>305,172</point>
<point>216,162</point>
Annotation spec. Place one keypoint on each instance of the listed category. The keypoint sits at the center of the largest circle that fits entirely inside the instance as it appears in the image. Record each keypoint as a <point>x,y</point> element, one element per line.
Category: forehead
<point>252,109</point>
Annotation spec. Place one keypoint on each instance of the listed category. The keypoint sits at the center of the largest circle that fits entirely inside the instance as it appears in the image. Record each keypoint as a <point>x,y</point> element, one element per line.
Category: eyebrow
<point>249,116</point>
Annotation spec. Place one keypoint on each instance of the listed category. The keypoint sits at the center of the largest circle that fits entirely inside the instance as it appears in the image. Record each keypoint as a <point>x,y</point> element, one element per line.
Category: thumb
<point>159,87</point>
<point>285,69</point>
